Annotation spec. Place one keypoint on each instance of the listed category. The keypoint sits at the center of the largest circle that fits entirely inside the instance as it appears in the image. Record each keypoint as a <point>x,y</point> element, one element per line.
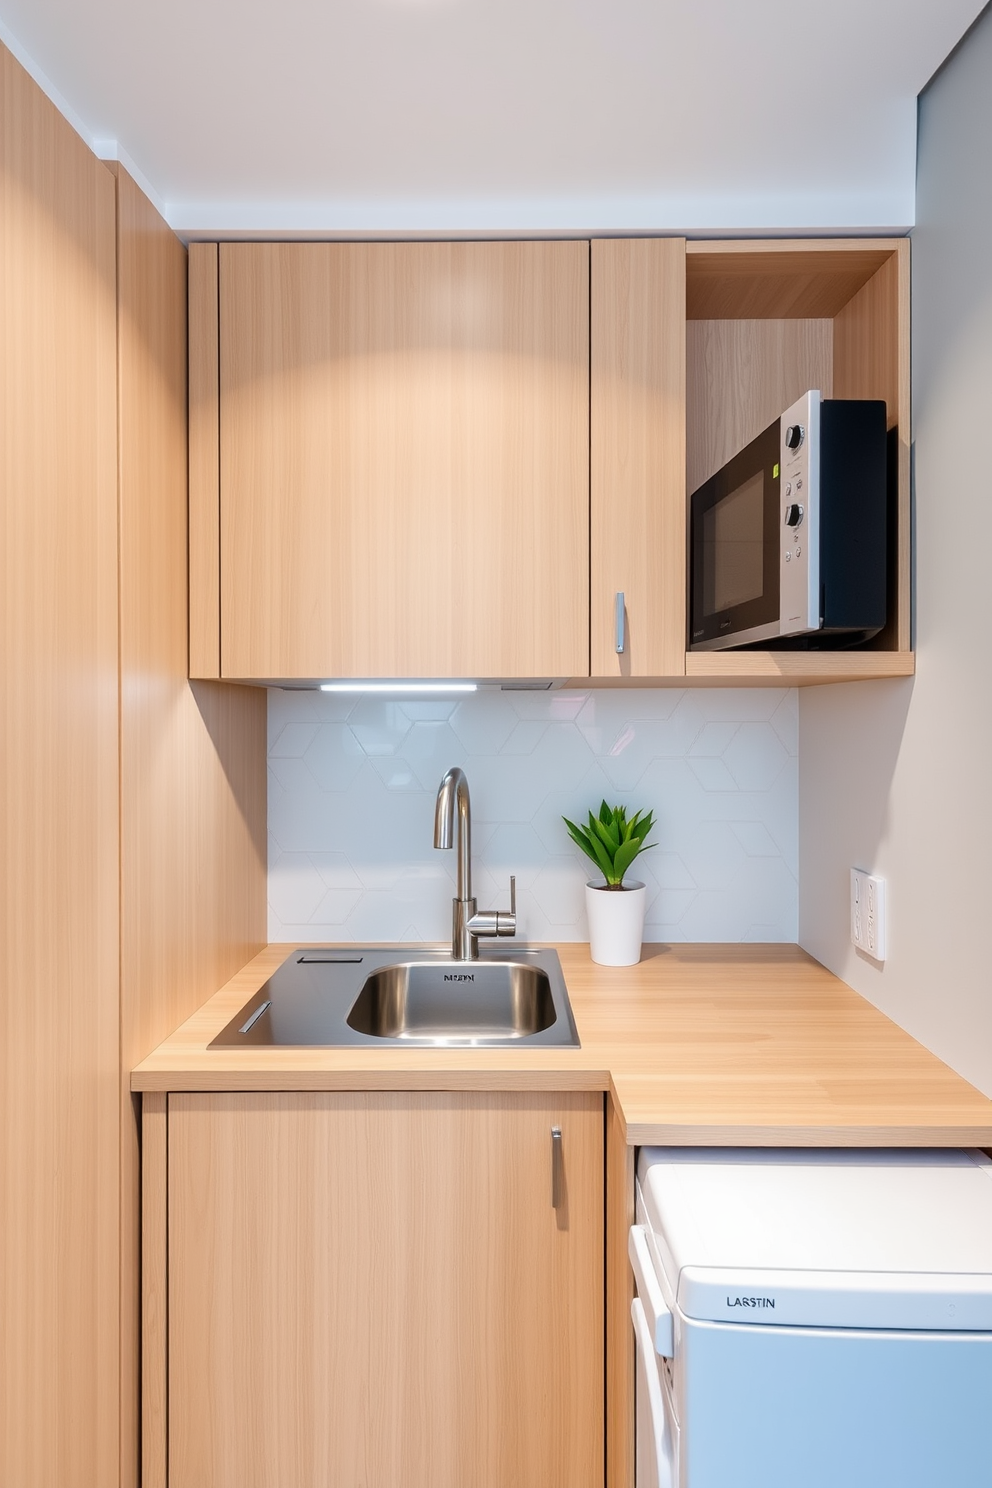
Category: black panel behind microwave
<point>853,516</point>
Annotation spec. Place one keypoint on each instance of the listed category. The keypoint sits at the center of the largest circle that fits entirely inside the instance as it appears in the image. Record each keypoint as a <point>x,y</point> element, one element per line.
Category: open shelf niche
<point>766,321</point>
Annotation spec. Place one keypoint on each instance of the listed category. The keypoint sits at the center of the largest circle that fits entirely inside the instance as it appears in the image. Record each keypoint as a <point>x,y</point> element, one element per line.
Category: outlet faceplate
<point>868,913</point>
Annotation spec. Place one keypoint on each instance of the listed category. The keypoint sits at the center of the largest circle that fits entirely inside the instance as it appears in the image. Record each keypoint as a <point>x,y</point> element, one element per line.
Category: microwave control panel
<point>799,557</point>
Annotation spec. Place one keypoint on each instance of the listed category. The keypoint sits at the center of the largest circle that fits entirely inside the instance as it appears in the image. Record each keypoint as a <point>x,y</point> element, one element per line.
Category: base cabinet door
<point>376,1291</point>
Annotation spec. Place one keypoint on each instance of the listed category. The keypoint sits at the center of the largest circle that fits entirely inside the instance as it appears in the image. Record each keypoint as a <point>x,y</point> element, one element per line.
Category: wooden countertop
<point>701,1044</point>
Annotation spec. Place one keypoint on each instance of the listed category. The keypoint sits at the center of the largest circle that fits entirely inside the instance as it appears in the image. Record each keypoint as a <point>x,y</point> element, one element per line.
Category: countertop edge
<point>696,1134</point>
<point>705,1045</point>
<point>539,1078</point>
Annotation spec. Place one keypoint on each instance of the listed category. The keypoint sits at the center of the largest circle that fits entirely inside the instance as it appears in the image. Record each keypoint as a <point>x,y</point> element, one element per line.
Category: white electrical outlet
<point>868,913</point>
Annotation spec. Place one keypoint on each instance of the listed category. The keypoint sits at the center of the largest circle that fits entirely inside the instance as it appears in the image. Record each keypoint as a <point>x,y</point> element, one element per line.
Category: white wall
<point>896,777</point>
<point>352,785</point>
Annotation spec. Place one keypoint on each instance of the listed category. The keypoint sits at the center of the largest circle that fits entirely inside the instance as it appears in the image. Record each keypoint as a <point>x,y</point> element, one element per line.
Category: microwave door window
<point>734,548</point>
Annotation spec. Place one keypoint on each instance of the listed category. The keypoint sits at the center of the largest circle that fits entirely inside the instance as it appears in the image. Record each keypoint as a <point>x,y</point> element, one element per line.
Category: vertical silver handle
<point>513,894</point>
<point>557,1171</point>
<point>621,623</point>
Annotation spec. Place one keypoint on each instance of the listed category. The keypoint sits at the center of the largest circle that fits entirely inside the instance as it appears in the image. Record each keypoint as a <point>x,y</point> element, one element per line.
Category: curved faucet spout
<point>452,798</point>
<point>453,827</point>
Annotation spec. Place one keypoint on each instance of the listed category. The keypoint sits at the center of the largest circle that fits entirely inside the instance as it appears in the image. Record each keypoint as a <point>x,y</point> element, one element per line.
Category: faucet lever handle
<point>496,921</point>
<point>506,924</point>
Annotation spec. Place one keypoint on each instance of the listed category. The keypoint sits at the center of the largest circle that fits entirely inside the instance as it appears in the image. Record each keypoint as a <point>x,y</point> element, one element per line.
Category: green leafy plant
<point>612,841</point>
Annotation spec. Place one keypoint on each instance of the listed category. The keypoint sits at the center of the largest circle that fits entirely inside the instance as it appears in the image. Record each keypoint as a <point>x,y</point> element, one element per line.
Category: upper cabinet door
<point>638,458</point>
<point>404,478</point>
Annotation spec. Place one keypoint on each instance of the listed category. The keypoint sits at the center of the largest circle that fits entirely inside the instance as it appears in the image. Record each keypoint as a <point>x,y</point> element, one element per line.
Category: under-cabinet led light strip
<point>399,687</point>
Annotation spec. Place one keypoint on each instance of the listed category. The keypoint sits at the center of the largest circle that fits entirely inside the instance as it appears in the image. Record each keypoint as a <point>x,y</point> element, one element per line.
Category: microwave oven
<point>788,542</point>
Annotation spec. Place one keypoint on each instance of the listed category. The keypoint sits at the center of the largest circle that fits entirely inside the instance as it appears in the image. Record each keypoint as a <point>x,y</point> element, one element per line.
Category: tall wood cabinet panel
<point>192,764</point>
<point>637,451</point>
<point>59,1055</point>
<point>404,481</point>
<point>133,808</point>
<point>374,1289</point>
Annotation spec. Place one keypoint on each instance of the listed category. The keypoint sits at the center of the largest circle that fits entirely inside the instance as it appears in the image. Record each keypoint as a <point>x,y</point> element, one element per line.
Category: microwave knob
<point>793,515</point>
<point>794,436</point>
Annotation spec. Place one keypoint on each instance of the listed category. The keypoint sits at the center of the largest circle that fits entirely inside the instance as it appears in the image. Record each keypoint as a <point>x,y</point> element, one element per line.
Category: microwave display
<point>734,562</point>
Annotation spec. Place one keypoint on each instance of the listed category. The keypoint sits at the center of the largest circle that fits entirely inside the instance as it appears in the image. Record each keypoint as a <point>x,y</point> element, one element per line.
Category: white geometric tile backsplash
<point>353,780</point>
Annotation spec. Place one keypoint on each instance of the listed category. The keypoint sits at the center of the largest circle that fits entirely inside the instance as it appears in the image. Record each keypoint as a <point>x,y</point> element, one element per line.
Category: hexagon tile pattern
<point>352,784</point>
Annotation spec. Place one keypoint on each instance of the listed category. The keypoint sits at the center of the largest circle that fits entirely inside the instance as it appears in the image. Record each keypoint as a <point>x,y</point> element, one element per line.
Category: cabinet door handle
<point>621,623</point>
<point>557,1170</point>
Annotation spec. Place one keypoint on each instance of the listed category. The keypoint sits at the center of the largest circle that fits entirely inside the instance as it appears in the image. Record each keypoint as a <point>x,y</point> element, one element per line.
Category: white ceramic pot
<point>616,923</point>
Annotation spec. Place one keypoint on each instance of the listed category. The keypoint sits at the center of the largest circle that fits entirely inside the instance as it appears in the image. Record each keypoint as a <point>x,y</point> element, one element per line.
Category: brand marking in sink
<point>459,976</point>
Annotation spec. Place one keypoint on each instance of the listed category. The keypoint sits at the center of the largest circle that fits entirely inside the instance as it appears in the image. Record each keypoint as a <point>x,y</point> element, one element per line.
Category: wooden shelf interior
<point>765,322</point>
<point>769,281</point>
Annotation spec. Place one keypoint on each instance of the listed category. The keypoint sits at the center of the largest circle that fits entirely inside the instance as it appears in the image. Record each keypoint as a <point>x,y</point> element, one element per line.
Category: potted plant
<point>615,909</point>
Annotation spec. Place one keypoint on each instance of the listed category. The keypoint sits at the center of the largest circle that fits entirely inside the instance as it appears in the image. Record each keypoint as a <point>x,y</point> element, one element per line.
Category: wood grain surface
<point>637,453</point>
<point>375,1290</point>
<point>204,463</point>
<point>705,1044</point>
<point>795,668</point>
<point>743,374</point>
<point>619,1295</point>
<point>404,459</point>
<point>192,756</point>
<point>154,1291</point>
<point>760,279</point>
<point>59,1035</point>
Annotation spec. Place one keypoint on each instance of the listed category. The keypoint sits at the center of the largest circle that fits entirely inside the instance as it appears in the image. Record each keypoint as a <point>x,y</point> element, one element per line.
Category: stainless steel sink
<point>411,996</point>
<point>485,1001</point>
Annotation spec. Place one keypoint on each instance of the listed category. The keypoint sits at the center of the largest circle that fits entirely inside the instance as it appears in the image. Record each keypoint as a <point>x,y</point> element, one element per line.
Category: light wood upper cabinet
<point>637,451</point>
<point>404,480</point>
<point>372,1290</point>
<point>450,459</point>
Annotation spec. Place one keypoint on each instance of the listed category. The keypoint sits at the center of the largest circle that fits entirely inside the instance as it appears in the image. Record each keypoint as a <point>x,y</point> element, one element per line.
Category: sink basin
<point>414,996</point>
<point>448,1001</point>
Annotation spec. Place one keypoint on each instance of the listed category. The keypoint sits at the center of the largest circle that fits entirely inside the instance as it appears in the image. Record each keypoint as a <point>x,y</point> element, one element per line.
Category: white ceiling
<point>446,116</point>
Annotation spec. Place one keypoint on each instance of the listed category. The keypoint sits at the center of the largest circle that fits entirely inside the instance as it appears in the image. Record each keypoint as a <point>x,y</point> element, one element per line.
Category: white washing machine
<point>813,1319</point>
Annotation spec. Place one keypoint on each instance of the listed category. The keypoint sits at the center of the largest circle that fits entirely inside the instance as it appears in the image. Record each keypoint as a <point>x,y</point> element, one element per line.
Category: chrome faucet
<point>467,922</point>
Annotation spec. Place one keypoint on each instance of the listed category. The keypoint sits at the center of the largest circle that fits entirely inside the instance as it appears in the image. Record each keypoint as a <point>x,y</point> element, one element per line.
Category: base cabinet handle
<point>557,1169</point>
